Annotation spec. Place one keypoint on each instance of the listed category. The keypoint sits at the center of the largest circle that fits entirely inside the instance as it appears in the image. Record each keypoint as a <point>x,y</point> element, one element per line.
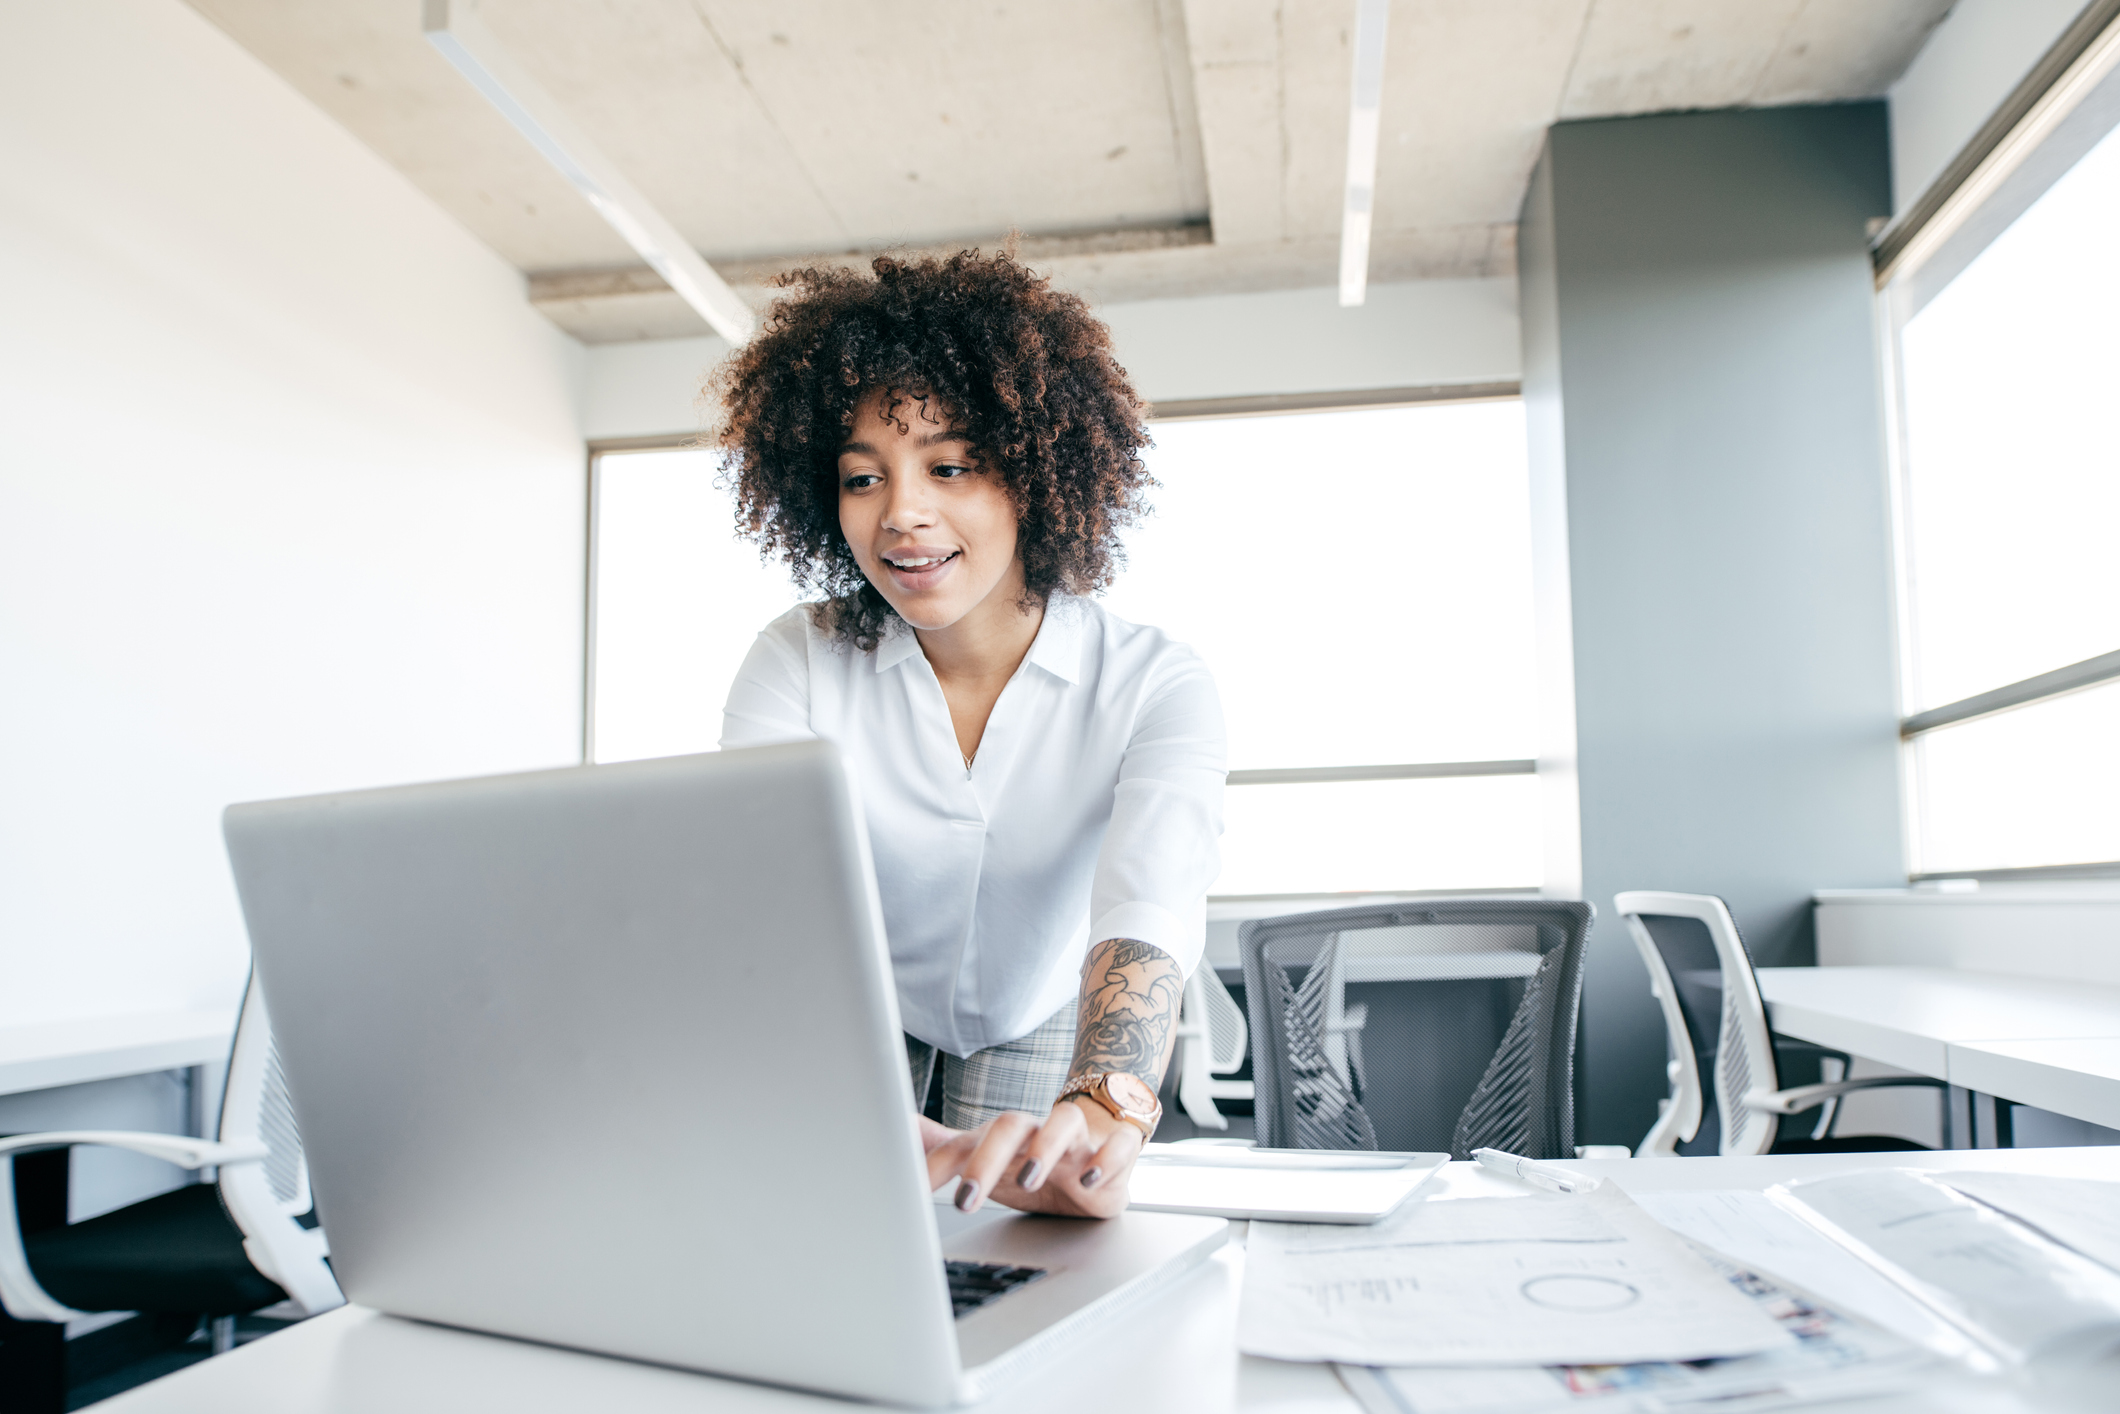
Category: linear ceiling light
<point>453,27</point>
<point>1362,133</point>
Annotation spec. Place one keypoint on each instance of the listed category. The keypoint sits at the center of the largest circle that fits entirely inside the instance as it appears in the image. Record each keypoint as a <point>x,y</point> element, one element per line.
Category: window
<point>1359,581</point>
<point>2010,457</point>
<point>675,601</point>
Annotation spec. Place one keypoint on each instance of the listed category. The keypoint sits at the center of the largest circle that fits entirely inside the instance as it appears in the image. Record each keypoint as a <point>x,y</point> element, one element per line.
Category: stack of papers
<point>2019,1295</point>
<point>1831,1357</point>
<point>1545,1280</point>
<point>1871,1276</point>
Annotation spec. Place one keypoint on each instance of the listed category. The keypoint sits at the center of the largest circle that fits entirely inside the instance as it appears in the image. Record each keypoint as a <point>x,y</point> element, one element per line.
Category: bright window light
<point>1470,833</point>
<point>2013,448</point>
<point>678,601</point>
<point>2031,787</point>
<point>2012,453</point>
<point>1360,582</point>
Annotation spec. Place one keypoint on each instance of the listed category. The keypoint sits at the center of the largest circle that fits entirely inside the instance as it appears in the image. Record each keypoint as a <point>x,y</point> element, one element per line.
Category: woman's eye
<point>951,469</point>
<point>858,481</point>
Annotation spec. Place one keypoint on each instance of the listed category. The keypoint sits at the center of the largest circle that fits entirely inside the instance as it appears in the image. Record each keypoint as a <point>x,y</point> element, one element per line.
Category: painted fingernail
<point>1029,1177</point>
<point>1090,1177</point>
<point>967,1196</point>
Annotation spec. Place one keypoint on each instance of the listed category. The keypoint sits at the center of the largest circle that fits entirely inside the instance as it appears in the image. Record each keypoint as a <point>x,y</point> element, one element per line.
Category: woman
<point>948,452</point>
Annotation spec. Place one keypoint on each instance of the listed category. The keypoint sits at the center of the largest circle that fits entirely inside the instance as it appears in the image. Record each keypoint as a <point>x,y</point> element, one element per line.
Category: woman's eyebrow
<point>927,441</point>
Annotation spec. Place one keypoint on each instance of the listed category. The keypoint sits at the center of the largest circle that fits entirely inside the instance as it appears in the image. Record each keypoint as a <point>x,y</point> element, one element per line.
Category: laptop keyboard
<point>974,1284</point>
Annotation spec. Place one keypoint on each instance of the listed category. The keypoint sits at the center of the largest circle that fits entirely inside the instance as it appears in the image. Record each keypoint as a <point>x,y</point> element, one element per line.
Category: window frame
<point>1976,199</point>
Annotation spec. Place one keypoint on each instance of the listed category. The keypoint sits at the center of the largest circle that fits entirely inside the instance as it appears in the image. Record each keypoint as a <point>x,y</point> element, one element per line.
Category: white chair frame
<point>258,1166</point>
<point>1744,1053</point>
<point>1209,1009</point>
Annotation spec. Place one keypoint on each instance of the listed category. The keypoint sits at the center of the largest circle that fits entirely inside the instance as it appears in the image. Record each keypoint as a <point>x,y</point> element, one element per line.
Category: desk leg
<point>195,1101</point>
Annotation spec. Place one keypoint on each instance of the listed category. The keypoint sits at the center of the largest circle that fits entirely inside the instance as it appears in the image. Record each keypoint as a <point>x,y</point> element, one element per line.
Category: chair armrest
<point>181,1150</point>
<point>19,1292</point>
<point>1803,1097</point>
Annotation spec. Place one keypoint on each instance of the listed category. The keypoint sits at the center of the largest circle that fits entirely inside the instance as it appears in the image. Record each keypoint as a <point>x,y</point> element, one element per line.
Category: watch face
<point>1130,1091</point>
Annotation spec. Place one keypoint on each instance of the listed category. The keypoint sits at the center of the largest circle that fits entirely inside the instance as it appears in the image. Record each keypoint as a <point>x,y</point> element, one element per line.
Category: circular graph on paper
<point>1584,1295</point>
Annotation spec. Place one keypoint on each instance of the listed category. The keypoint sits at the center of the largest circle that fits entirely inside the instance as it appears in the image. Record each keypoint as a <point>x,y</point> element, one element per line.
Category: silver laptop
<point>609,1058</point>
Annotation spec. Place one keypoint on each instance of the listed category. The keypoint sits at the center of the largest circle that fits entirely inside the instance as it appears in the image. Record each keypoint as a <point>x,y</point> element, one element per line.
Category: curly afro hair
<point>1023,370</point>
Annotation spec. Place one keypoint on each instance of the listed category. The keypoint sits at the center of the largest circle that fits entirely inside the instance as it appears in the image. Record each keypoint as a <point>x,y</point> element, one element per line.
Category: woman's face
<point>933,530</point>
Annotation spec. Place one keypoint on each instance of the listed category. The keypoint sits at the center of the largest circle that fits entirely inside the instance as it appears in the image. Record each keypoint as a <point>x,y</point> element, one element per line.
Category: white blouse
<point>1092,809</point>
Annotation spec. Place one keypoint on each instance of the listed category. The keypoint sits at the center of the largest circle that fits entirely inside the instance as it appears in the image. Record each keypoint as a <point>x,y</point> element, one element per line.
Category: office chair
<point>1308,1097</point>
<point>1212,1041</point>
<point>246,1241</point>
<point>1701,973</point>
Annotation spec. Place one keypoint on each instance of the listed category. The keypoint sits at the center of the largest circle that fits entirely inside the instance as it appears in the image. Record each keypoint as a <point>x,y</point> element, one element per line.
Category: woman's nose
<point>908,506</point>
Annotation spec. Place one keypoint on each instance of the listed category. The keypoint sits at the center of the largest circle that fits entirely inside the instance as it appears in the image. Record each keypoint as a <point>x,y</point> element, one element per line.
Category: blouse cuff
<point>1158,927</point>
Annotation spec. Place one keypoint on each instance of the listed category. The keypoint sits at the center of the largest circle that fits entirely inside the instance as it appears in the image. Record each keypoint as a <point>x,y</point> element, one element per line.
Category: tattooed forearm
<point>1129,1013</point>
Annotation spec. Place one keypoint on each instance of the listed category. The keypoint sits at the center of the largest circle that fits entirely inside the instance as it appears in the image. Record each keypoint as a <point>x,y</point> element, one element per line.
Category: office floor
<point>125,1356</point>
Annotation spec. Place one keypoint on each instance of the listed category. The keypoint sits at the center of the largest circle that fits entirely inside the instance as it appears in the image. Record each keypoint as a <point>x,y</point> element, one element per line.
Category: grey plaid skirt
<point>1023,1074</point>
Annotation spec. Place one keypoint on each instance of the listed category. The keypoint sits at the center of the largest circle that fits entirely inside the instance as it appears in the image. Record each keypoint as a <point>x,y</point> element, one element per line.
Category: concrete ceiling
<point>1145,148</point>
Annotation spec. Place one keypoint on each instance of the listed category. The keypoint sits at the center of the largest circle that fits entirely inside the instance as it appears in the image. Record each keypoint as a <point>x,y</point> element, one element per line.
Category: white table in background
<point>50,1054</point>
<point>2030,1040</point>
<point>1175,1357</point>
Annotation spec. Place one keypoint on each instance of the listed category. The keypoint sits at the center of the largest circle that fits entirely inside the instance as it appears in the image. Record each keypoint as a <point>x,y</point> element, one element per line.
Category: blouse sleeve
<point>770,700</point>
<point>1162,849</point>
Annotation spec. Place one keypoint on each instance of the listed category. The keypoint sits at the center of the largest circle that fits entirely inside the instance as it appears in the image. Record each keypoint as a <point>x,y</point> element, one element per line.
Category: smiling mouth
<point>925,562</point>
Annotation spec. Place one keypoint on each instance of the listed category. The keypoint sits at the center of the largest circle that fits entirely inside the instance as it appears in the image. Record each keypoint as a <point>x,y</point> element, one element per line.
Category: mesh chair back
<point>1525,1100</point>
<point>1228,1038</point>
<point>1300,1099</point>
<point>1699,964</point>
<point>255,1107</point>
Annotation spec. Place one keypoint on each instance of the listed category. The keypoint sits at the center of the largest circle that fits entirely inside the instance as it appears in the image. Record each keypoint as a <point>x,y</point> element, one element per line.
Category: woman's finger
<point>1102,1181</point>
<point>1000,1141</point>
<point>1064,1131</point>
<point>947,1158</point>
<point>932,1135</point>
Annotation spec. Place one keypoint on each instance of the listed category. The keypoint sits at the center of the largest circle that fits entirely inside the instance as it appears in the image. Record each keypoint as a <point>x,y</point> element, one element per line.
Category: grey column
<point>1710,513</point>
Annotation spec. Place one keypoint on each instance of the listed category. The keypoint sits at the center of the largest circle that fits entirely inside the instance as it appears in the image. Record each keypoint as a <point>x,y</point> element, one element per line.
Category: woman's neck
<point>986,644</point>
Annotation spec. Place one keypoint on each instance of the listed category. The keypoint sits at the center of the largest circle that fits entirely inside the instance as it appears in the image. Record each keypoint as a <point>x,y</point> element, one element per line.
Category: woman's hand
<point>1075,1162</point>
<point>1078,1158</point>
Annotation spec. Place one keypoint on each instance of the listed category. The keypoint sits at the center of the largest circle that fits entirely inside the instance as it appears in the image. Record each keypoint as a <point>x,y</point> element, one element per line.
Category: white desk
<point>107,1047</point>
<point>1177,1357</point>
<point>2078,1077</point>
<point>2030,1040</point>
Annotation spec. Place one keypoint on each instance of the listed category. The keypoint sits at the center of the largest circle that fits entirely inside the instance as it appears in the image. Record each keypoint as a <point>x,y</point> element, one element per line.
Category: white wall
<point>1981,51</point>
<point>1220,346</point>
<point>290,494</point>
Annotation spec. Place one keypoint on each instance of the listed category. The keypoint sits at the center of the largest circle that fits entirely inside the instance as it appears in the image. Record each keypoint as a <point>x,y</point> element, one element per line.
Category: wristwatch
<point>1126,1096</point>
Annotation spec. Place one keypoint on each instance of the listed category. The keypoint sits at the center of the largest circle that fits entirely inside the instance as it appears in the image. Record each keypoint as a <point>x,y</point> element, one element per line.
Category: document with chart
<point>1494,1281</point>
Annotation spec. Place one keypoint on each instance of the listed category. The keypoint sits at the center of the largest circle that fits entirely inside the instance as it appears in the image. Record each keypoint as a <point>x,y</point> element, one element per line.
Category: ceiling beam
<point>618,305</point>
<point>1237,79</point>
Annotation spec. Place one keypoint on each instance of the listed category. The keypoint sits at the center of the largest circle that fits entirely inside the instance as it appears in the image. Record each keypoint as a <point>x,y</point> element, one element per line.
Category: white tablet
<point>1277,1185</point>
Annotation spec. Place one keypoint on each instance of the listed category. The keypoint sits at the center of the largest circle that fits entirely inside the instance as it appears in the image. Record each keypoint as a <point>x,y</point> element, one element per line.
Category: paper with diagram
<point>1493,1281</point>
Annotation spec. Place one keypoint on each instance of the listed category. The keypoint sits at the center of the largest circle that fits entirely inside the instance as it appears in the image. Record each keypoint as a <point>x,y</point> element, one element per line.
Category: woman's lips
<point>922,569</point>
